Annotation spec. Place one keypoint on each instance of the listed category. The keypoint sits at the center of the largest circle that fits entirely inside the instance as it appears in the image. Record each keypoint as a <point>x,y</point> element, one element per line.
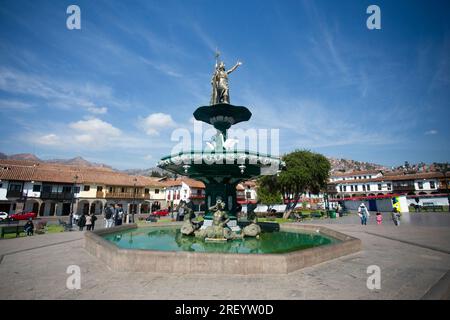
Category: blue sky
<point>115,90</point>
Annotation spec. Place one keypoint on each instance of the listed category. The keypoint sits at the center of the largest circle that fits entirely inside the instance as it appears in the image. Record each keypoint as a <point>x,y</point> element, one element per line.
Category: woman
<point>363,213</point>
<point>88,222</point>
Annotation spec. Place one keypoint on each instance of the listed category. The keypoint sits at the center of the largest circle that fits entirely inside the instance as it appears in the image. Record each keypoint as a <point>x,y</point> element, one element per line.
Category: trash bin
<point>332,214</point>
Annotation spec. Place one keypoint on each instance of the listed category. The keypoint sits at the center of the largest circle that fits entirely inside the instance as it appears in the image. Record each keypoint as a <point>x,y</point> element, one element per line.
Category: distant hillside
<point>77,161</point>
<point>346,165</point>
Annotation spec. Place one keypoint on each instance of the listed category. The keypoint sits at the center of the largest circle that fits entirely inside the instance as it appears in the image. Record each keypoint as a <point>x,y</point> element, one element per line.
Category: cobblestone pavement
<point>412,259</point>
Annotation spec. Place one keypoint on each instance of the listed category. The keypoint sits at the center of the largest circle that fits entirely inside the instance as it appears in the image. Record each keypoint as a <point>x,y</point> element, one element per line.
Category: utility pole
<point>134,198</point>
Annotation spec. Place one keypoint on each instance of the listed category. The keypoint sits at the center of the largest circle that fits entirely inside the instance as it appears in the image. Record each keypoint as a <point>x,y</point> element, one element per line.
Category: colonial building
<point>56,190</point>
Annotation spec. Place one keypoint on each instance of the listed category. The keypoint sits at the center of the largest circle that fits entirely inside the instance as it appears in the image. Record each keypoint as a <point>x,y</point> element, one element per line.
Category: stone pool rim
<point>183,262</point>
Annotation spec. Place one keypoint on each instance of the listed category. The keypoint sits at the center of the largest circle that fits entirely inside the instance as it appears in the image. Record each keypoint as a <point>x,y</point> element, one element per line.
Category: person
<point>82,222</point>
<point>180,215</point>
<point>88,222</point>
<point>93,219</point>
<point>396,216</point>
<point>363,213</point>
<point>219,83</point>
<point>109,213</point>
<point>119,216</point>
<point>29,227</point>
<point>71,219</point>
<point>379,218</point>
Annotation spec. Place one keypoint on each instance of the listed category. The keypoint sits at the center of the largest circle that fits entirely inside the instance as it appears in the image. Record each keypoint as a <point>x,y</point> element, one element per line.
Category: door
<point>372,205</point>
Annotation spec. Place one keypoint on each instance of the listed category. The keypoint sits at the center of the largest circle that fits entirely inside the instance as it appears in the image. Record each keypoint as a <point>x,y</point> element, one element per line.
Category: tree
<point>268,191</point>
<point>305,172</point>
<point>156,174</point>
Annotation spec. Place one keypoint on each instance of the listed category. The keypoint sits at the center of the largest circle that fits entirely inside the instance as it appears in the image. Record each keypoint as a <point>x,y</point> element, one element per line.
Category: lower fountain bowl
<point>161,248</point>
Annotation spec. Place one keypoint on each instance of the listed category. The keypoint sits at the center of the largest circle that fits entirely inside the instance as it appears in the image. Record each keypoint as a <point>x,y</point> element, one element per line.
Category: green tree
<point>305,171</point>
<point>268,191</point>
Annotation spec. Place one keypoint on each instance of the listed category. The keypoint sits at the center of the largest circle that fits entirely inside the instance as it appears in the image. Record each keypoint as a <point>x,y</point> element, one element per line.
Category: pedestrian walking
<point>363,213</point>
<point>379,218</point>
<point>396,216</point>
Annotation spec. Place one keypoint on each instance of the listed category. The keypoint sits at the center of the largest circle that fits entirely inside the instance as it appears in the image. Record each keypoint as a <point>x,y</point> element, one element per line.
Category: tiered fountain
<point>220,167</point>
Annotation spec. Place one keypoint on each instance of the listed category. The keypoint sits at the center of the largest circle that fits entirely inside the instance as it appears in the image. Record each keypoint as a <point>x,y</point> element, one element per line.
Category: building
<point>377,188</point>
<point>56,190</point>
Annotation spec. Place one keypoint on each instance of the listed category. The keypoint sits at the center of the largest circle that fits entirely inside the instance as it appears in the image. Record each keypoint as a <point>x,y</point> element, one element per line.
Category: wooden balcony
<point>127,195</point>
<point>57,195</point>
<point>13,194</point>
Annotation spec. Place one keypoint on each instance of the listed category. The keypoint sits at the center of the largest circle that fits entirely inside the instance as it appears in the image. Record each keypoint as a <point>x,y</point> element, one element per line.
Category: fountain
<point>221,167</point>
<point>219,245</point>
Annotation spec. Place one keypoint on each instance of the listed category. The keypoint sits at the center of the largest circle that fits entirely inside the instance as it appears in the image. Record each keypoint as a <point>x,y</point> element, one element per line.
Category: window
<point>110,189</point>
<point>351,188</point>
<point>368,187</point>
<point>379,187</point>
<point>364,187</point>
<point>37,188</point>
<point>122,189</point>
<point>248,195</point>
<point>76,190</point>
<point>432,185</point>
<point>389,187</point>
<point>420,184</point>
<point>147,191</point>
<point>15,187</point>
<point>356,188</point>
<point>365,177</point>
<point>199,192</point>
<point>99,188</point>
<point>345,188</point>
<point>67,189</point>
<point>1,185</point>
<point>156,191</point>
<point>86,188</point>
<point>340,188</point>
<point>47,188</point>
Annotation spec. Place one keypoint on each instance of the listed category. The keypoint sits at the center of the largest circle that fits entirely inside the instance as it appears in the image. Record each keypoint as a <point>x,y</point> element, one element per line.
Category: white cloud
<point>95,110</point>
<point>49,139</point>
<point>14,105</point>
<point>155,122</point>
<point>431,132</point>
<point>95,126</point>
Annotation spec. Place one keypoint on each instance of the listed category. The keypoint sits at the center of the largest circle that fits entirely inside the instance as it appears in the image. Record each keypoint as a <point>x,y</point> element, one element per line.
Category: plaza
<point>414,260</point>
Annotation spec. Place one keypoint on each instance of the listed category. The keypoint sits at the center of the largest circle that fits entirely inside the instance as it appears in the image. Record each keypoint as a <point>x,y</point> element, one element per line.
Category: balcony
<point>13,194</point>
<point>57,195</point>
<point>127,195</point>
<point>404,187</point>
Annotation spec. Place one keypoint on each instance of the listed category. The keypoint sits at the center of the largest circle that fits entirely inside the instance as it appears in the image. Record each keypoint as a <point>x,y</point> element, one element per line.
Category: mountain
<point>346,165</point>
<point>77,161</point>
<point>24,156</point>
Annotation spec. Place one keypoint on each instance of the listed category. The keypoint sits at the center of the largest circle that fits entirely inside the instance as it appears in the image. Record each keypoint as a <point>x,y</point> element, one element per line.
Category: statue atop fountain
<point>219,82</point>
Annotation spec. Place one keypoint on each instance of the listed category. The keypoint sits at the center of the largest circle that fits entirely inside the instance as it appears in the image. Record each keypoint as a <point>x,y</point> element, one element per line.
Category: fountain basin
<point>208,260</point>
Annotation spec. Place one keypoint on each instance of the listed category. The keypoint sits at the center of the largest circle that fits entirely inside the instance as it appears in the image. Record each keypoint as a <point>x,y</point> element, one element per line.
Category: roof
<point>57,173</point>
<point>398,177</point>
<point>190,182</point>
<point>354,173</point>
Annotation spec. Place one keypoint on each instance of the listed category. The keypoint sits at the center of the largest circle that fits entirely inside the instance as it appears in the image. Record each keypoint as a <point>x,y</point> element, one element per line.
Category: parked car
<point>162,212</point>
<point>3,216</point>
<point>23,216</point>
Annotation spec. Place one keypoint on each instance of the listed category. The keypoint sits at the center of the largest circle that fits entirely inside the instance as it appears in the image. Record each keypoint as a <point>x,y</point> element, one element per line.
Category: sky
<point>115,90</point>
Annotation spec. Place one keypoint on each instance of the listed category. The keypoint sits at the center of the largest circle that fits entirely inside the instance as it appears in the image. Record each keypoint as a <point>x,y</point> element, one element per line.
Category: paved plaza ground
<point>413,258</point>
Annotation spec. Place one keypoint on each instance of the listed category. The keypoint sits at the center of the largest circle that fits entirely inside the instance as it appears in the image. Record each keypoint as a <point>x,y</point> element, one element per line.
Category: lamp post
<point>75,178</point>
<point>134,199</point>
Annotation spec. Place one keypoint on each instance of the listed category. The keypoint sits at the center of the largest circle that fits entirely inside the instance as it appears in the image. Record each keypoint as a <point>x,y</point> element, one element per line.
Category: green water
<point>170,239</point>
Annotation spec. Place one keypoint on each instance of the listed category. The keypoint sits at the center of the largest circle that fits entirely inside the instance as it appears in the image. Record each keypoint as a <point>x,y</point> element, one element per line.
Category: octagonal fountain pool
<point>162,248</point>
<point>171,239</point>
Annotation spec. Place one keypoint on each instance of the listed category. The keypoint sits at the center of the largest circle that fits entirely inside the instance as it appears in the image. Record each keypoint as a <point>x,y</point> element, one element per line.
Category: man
<point>363,213</point>
<point>109,219</point>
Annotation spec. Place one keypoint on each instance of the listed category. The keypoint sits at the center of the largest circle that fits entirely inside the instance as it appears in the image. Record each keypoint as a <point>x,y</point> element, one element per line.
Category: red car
<point>162,212</point>
<point>23,216</point>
